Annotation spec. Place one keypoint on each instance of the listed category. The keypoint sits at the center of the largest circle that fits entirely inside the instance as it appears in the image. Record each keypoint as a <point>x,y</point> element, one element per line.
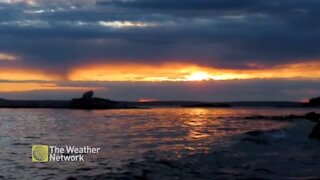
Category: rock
<point>88,95</point>
<point>93,103</point>
<point>254,133</point>
<point>314,102</point>
<point>312,116</point>
<point>71,178</point>
<point>89,102</point>
<point>315,133</point>
<point>256,140</point>
<point>167,163</point>
<point>256,117</point>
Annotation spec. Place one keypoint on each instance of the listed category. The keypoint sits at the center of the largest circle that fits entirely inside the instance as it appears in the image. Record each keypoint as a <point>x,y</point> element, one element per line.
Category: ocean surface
<point>124,136</point>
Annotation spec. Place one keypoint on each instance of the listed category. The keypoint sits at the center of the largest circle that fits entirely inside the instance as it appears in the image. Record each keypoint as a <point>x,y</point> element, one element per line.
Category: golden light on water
<point>197,122</point>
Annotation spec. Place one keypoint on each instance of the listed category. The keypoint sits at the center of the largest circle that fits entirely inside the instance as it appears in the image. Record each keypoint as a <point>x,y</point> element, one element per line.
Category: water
<point>123,135</point>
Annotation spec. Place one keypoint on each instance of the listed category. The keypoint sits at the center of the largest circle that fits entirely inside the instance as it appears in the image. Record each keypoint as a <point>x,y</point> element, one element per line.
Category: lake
<point>124,136</point>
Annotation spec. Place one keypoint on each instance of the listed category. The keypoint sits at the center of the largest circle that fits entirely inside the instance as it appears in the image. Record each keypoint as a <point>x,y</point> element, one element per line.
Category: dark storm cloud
<point>201,7</point>
<point>224,33</point>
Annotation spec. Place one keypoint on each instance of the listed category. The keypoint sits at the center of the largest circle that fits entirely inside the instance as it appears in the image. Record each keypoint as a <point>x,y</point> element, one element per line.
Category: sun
<point>198,76</point>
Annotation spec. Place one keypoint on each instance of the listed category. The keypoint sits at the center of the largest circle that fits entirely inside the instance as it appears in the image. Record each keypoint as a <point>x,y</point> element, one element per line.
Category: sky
<point>208,50</point>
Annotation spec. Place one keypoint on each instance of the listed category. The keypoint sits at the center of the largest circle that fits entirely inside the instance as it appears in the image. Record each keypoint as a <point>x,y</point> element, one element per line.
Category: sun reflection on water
<point>124,135</point>
<point>198,123</point>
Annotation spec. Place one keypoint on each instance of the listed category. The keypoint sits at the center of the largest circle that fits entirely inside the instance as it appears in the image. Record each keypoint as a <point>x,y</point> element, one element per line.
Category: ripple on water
<point>125,136</point>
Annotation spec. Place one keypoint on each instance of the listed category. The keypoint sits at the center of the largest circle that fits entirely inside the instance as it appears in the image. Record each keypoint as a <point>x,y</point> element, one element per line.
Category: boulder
<point>315,133</point>
<point>89,102</point>
<point>312,116</point>
<point>314,102</point>
<point>88,95</point>
<point>93,103</point>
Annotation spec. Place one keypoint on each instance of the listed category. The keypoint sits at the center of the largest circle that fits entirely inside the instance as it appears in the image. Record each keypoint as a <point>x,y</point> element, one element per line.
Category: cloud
<point>26,87</point>
<point>187,72</point>
<point>225,34</point>
<point>124,24</point>
<point>23,74</point>
<point>49,2</point>
<point>58,37</point>
<point>8,57</point>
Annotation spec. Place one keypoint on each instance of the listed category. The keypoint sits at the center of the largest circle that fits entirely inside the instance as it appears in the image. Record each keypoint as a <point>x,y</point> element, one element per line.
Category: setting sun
<point>198,76</point>
<point>159,89</point>
<point>186,72</point>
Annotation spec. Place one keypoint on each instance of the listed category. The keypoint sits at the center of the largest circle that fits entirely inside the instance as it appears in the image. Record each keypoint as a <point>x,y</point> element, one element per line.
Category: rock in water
<point>315,134</point>
<point>314,101</point>
<point>88,95</point>
<point>89,102</point>
<point>312,116</point>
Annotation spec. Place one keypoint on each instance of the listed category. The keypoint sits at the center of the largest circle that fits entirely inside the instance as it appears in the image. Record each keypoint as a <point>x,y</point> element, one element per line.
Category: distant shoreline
<point>88,101</point>
<point>67,104</point>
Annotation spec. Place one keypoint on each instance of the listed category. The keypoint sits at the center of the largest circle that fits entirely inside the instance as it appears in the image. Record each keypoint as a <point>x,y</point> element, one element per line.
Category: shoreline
<point>98,103</point>
<point>88,101</point>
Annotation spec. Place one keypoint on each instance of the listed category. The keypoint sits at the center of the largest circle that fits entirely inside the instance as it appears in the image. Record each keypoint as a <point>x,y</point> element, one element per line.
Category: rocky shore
<point>87,101</point>
<point>274,154</point>
<point>312,116</point>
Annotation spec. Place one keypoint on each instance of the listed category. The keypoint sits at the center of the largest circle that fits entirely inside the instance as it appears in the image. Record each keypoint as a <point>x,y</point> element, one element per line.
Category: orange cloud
<point>20,87</point>
<point>164,72</point>
<point>15,74</point>
<point>7,57</point>
<point>188,72</point>
<point>128,72</point>
<point>147,100</point>
<point>29,79</point>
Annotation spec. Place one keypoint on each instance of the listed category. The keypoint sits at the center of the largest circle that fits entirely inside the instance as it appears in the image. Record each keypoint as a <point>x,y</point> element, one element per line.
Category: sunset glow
<point>198,76</point>
<point>14,74</point>
<point>151,48</point>
<point>20,87</point>
<point>187,72</point>
<point>144,100</point>
<point>165,72</point>
<point>159,89</point>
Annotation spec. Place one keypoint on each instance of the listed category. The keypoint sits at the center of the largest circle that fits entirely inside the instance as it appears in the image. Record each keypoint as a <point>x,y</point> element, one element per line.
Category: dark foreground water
<point>124,136</point>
